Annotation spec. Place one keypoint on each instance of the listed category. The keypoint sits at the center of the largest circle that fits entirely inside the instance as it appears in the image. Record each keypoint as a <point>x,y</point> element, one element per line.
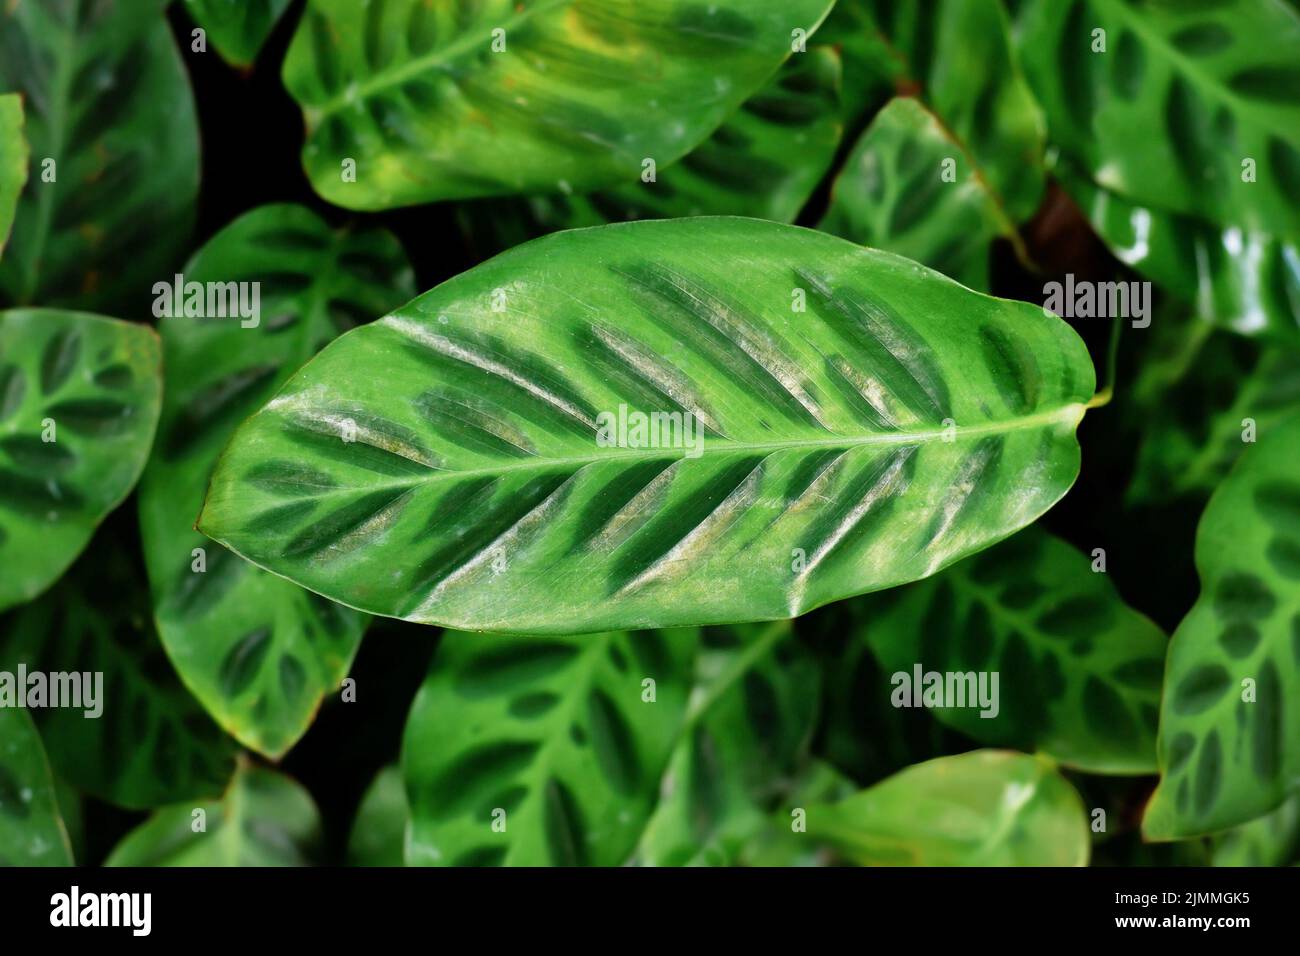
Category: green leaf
<point>542,751</point>
<point>765,161</point>
<point>237,28</point>
<point>986,808</point>
<point>79,397</point>
<point>1078,669</point>
<point>1230,720</point>
<point>151,743</point>
<point>264,819</point>
<point>1272,840</point>
<point>115,147</point>
<point>1243,280</point>
<point>957,56</point>
<point>892,194</point>
<point>456,464</point>
<point>31,829</point>
<point>452,101</point>
<point>13,161</point>
<point>1195,429</point>
<point>1181,97</point>
<point>379,830</point>
<point>257,650</point>
<point>870,65</point>
<point>750,720</point>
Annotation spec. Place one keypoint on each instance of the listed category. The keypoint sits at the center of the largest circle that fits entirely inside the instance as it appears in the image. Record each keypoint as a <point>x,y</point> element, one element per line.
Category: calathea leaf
<point>956,55</point>
<point>264,819</point>
<point>1229,391</point>
<point>237,28</point>
<point>1241,279</point>
<point>31,829</point>
<point>1188,107</point>
<point>542,751</point>
<point>79,397</point>
<point>909,188</point>
<point>765,161</point>
<point>482,457</point>
<point>379,830</point>
<point>747,731</point>
<point>1272,840</point>
<point>443,100</point>
<point>115,149</point>
<point>1077,670</point>
<point>257,650</point>
<point>781,841</point>
<point>147,741</point>
<point>985,808</point>
<point>13,161</point>
<point>870,64</point>
<point>1230,719</point>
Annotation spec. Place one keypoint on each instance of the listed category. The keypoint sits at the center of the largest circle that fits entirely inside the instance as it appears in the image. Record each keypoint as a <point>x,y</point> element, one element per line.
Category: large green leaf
<point>451,100</point>
<point>379,830</point>
<point>895,193</point>
<point>542,751</point>
<point>79,397</point>
<point>152,743</point>
<point>257,650</point>
<point>264,819</point>
<point>663,748</point>
<point>31,829</point>
<point>115,152</point>
<point>1196,428</point>
<point>1272,840</point>
<point>1183,94</point>
<point>1078,669</point>
<point>986,808</point>
<point>237,28</point>
<point>1230,720</point>
<point>13,161</point>
<point>445,464</point>
<point>765,161</point>
<point>1241,279</point>
<point>956,55</point>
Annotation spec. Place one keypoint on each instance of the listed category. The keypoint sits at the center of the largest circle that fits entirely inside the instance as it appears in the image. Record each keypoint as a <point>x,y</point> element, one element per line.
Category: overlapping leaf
<point>379,830</point>
<point>79,397</point>
<point>765,161</point>
<point>986,808</point>
<point>150,743</point>
<point>1190,107</point>
<point>237,28</point>
<point>462,462</point>
<point>448,100</point>
<point>542,751</point>
<point>909,188</point>
<point>115,152</point>
<point>1272,840</point>
<point>257,650</point>
<point>13,161</point>
<point>31,829</point>
<point>264,819</point>
<point>1230,719</point>
<point>1078,670</point>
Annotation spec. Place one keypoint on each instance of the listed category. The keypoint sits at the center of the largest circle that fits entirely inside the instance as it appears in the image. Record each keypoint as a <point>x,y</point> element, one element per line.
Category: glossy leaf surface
<point>237,28</point>
<point>264,819</point>
<point>31,829</point>
<point>13,161</point>
<point>257,650</point>
<point>451,462</point>
<point>1078,669</point>
<point>898,192</point>
<point>115,147</point>
<point>79,397</point>
<point>1182,95</point>
<point>449,100</point>
<point>985,808</point>
<point>1230,721</point>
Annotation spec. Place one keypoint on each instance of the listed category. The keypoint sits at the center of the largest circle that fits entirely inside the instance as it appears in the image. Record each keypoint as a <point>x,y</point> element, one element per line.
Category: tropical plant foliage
<point>649,432</point>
